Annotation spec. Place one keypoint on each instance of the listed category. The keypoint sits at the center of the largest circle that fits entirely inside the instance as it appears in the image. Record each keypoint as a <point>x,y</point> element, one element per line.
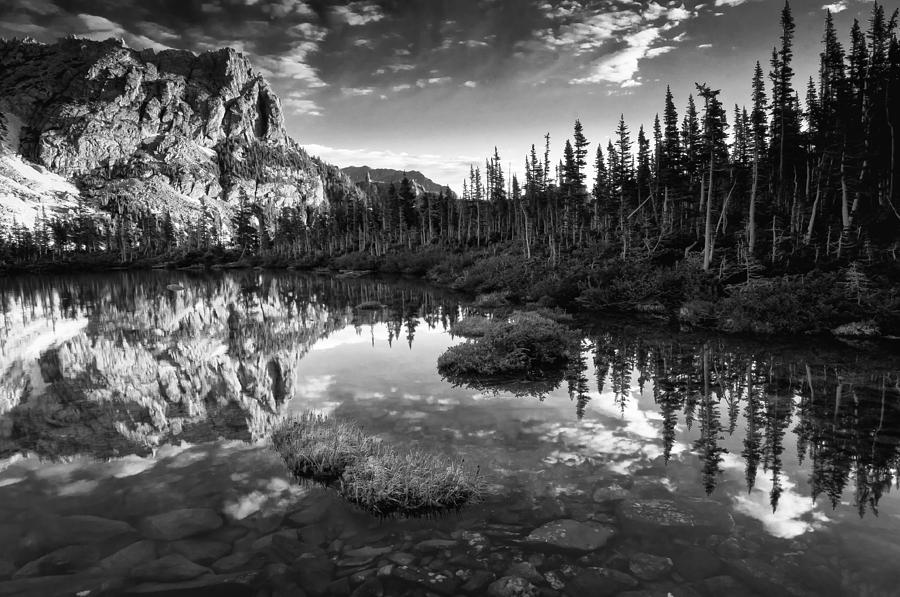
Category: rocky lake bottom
<point>134,456</point>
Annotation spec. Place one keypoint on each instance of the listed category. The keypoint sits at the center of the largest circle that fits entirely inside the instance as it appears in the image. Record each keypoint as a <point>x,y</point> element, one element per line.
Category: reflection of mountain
<point>119,365</point>
<point>844,407</point>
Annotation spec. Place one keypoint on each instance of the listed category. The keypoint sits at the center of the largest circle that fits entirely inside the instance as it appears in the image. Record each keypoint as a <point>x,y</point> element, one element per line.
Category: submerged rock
<point>599,582</point>
<point>512,586</point>
<point>571,535</point>
<point>128,557</point>
<point>178,524</point>
<point>200,550</point>
<point>648,566</point>
<point>172,568</point>
<point>690,515</point>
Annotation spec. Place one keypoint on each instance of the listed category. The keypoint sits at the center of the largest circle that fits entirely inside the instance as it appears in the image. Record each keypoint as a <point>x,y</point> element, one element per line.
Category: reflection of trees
<point>206,358</point>
<point>844,408</point>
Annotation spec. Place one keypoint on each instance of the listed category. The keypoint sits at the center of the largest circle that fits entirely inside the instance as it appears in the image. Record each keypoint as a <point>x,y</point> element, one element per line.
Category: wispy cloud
<point>432,81</point>
<point>836,7</point>
<point>358,91</point>
<point>298,103</point>
<point>613,42</point>
<point>97,27</point>
<point>359,13</point>
<point>621,67</point>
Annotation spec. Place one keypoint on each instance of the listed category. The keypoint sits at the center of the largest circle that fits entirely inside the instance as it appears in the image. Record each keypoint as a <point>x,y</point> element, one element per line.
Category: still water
<point>135,409</point>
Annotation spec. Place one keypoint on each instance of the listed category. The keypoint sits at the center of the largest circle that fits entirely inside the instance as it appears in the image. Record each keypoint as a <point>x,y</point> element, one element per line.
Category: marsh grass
<point>320,448</point>
<point>374,476</point>
<point>410,483</point>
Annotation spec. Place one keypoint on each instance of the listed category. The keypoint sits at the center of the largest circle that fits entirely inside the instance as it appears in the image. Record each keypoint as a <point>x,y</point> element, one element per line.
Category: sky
<point>436,85</point>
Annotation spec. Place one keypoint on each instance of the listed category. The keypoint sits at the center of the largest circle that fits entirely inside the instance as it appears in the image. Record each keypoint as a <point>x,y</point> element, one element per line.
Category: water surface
<point>130,395</point>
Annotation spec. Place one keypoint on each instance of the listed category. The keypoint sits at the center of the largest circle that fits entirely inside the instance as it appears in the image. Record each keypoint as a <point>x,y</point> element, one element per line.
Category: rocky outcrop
<point>145,130</point>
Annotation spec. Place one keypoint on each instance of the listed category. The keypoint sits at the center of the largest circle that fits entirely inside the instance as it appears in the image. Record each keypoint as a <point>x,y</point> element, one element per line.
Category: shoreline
<point>453,270</point>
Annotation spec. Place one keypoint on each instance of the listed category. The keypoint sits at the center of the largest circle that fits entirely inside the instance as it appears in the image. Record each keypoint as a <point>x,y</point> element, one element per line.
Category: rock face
<point>147,130</point>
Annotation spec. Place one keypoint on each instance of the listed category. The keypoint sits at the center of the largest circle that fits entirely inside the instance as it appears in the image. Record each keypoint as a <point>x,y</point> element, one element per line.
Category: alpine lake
<point>136,410</point>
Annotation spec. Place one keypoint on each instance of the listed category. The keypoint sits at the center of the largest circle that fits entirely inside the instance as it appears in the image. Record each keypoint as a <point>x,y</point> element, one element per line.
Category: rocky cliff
<point>97,126</point>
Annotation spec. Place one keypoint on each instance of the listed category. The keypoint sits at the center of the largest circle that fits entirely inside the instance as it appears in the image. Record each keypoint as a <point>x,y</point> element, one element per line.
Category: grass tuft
<point>412,483</point>
<point>378,478</point>
<point>320,448</point>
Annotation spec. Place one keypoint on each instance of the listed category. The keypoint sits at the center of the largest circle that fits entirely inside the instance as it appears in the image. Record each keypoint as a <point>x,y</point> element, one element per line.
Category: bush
<point>410,483</point>
<point>368,473</point>
<point>526,345</point>
<point>475,326</point>
<point>791,304</point>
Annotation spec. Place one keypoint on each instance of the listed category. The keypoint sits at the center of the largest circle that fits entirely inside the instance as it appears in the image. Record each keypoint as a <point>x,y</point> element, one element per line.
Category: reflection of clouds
<point>312,388</point>
<point>628,438</point>
<point>594,441</point>
<point>795,515</point>
<point>348,336</point>
<point>643,423</point>
<point>275,496</point>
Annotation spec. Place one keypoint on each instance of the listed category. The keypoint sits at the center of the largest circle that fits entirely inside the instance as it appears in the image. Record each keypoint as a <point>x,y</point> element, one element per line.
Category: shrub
<point>526,345</point>
<point>410,483</point>
<point>791,304</point>
<point>368,473</point>
<point>475,326</point>
<point>491,300</point>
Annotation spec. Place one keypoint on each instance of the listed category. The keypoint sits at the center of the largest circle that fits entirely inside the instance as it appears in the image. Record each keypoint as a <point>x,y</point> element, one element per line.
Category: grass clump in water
<point>378,478</point>
<point>527,345</point>
<point>320,448</point>
<point>412,483</point>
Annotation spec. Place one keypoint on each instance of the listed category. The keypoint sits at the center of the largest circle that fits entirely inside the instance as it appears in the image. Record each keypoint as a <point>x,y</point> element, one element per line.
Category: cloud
<point>470,84</point>
<point>298,103</point>
<point>704,46</point>
<point>836,7</point>
<point>292,65</point>
<point>401,87</point>
<point>280,9</point>
<point>357,91</point>
<point>100,28</point>
<point>359,13</point>
<point>612,42</point>
<point>729,2</point>
<point>432,81</point>
<point>621,66</point>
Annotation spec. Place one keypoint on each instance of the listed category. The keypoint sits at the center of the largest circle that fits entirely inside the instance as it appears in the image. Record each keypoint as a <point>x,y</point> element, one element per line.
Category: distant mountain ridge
<point>388,175</point>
